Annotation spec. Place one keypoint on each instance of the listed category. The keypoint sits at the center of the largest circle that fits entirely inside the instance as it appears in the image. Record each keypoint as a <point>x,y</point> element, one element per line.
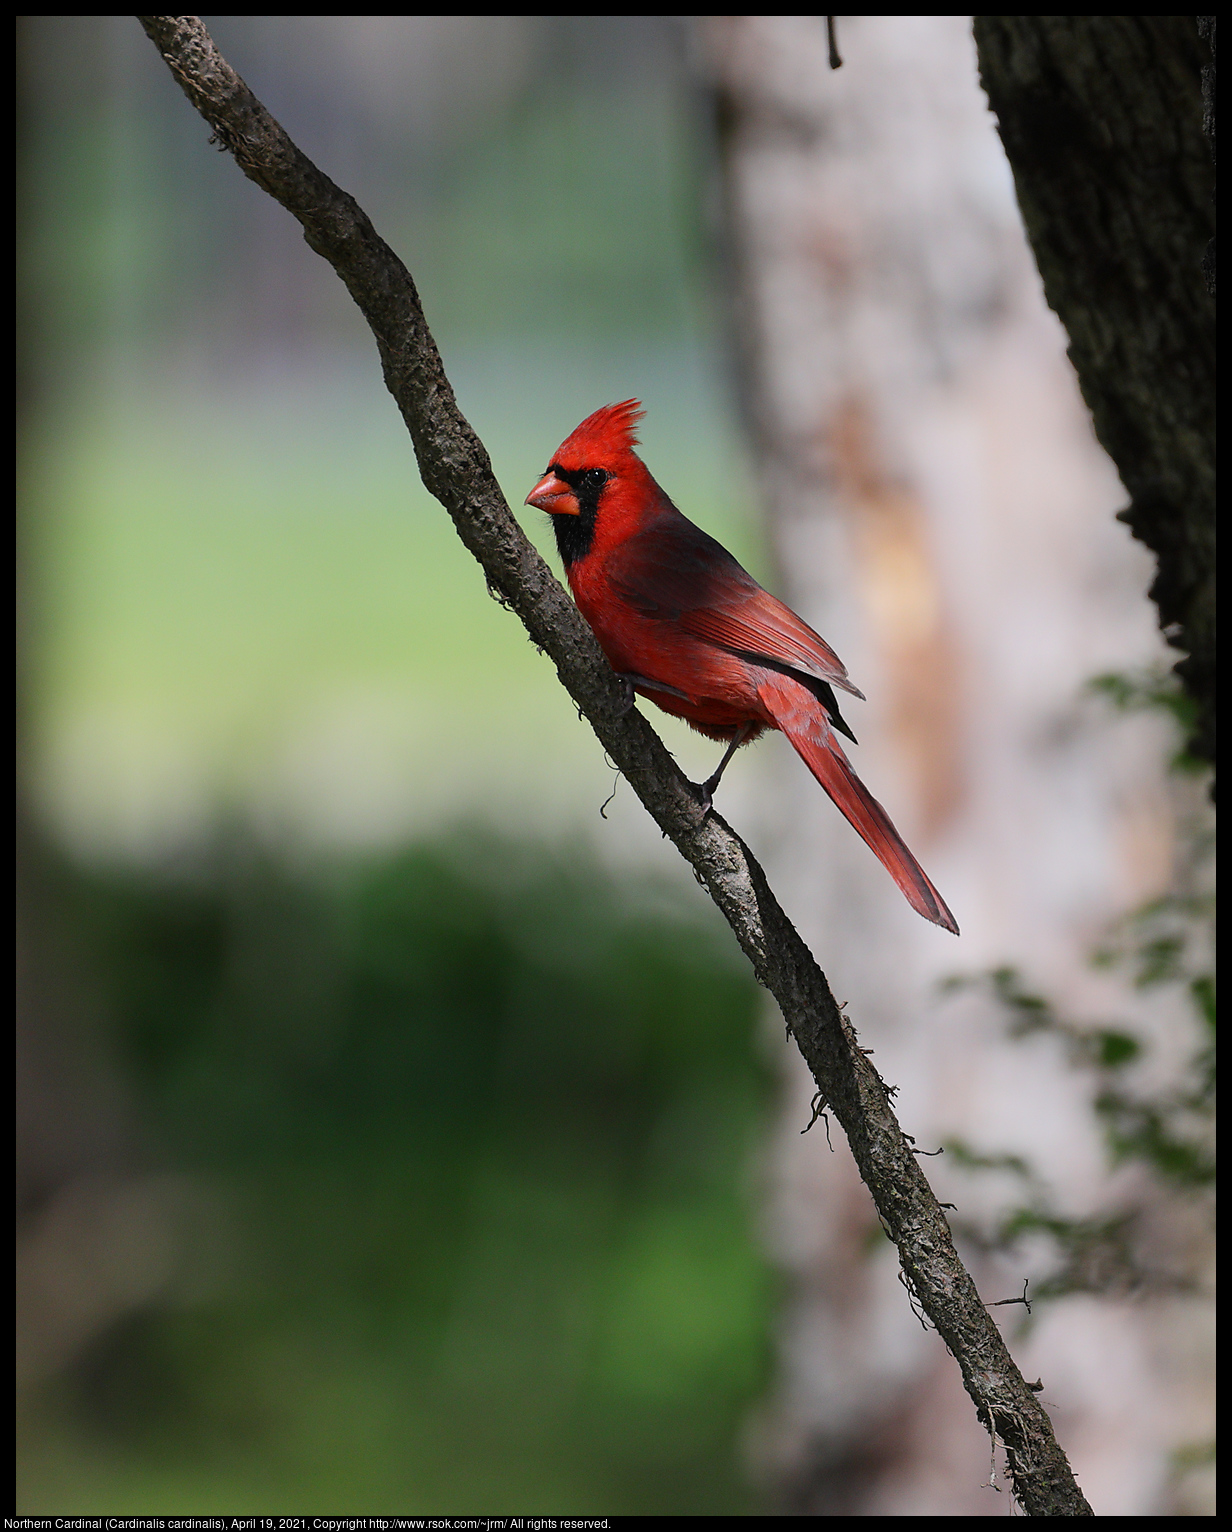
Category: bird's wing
<point>674,572</point>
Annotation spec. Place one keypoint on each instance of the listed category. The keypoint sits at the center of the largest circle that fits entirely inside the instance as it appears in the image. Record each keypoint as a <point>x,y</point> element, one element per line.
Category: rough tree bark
<point>1102,121</point>
<point>939,507</point>
<point>456,469</point>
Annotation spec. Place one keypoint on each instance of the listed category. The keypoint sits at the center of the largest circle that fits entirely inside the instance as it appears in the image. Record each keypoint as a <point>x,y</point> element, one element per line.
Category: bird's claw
<point>630,695</point>
<point>705,794</point>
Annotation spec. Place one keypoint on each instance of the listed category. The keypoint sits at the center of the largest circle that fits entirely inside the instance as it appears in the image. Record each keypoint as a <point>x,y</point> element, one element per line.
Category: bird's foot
<point>630,696</point>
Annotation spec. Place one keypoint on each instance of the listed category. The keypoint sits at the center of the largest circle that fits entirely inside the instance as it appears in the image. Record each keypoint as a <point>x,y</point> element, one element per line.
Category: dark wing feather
<point>674,572</point>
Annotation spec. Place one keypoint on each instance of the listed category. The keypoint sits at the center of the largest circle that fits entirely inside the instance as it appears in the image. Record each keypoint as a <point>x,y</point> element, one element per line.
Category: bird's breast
<point>711,688</point>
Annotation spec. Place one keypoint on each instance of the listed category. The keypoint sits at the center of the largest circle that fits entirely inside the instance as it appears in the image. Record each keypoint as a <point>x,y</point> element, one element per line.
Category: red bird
<point>683,624</point>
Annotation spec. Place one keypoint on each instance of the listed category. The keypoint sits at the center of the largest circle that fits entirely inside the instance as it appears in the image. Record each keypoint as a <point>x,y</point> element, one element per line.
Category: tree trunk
<point>942,515</point>
<point>1102,121</point>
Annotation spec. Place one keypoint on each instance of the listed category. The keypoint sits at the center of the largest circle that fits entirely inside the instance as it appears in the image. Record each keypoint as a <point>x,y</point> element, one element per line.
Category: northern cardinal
<point>683,624</point>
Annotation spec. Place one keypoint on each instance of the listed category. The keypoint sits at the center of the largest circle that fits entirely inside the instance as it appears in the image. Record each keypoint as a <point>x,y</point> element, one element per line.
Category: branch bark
<point>456,469</point>
<point>1102,121</point>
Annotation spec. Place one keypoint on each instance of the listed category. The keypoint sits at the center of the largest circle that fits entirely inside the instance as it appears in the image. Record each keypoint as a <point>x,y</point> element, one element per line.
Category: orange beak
<point>554,496</point>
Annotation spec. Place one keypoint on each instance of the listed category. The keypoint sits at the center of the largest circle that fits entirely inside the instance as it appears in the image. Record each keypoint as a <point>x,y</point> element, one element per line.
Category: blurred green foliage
<point>470,1127</point>
<point>463,1129</point>
<point>1159,690</point>
<point>237,590</point>
<point>1166,1128</point>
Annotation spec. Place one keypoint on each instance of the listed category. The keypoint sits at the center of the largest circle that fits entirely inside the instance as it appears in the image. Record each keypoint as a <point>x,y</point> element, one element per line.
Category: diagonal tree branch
<point>456,469</point>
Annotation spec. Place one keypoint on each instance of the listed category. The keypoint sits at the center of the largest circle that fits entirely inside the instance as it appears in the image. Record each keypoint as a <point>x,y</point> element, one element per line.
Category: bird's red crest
<point>603,437</point>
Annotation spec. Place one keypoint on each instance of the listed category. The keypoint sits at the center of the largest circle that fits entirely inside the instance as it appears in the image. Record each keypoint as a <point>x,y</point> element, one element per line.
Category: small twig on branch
<point>1001,1303</point>
<point>819,1110</point>
<point>832,39</point>
<point>456,469</point>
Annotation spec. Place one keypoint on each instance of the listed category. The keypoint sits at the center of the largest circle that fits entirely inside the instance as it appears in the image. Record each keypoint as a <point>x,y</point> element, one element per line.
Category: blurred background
<point>395,1130</point>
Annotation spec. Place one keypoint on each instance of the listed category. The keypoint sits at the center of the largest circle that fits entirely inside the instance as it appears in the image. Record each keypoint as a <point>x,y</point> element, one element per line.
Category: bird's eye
<point>594,478</point>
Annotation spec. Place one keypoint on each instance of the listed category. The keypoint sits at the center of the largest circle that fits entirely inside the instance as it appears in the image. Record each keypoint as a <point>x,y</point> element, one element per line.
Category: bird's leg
<point>630,697</point>
<point>711,782</point>
<point>631,681</point>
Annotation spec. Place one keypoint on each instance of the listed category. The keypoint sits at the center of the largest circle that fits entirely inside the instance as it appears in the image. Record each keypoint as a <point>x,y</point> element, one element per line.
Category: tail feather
<point>797,713</point>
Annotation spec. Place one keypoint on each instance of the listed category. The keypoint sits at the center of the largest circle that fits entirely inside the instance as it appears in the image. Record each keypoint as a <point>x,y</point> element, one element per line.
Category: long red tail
<point>801,717</point>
